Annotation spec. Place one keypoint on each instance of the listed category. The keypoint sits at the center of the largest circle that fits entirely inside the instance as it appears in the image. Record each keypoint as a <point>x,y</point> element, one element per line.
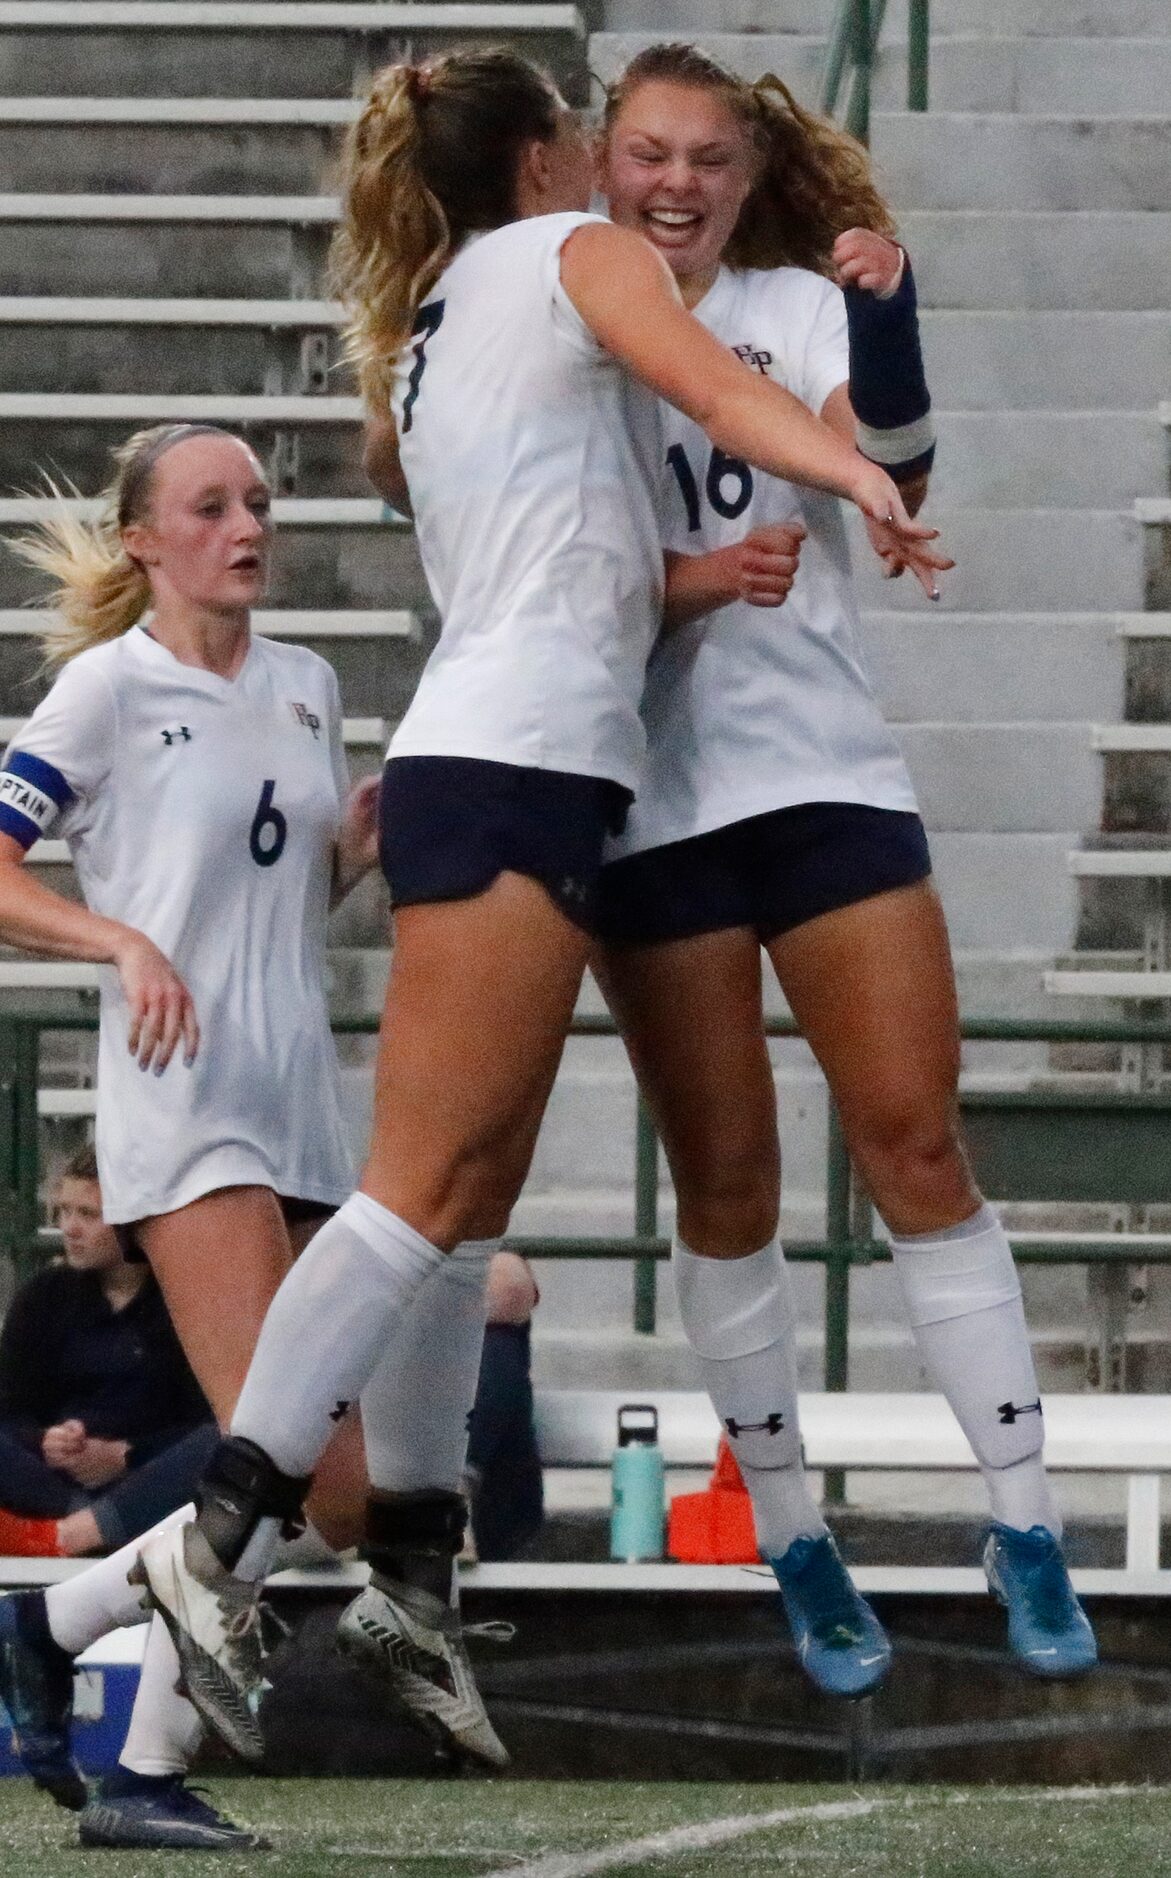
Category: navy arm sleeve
<point>888,386</point>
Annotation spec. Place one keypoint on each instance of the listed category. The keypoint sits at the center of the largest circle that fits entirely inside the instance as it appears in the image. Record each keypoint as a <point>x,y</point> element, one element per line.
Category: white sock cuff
<point>733,1307</point>
<point>957,1273</point>
<point>387,1235</point>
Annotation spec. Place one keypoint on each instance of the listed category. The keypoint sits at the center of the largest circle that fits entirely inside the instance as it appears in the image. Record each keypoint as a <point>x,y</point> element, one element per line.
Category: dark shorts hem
<point>771,873</point>
<point>293,1211</point>
<point>451,825</point>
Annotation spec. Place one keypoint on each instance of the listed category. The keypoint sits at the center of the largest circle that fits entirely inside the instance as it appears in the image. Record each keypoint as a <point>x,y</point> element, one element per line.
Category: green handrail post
<point>646,1218</point>
<point>918,56</point>
<point>839,1257</point>
<point>862,59</point>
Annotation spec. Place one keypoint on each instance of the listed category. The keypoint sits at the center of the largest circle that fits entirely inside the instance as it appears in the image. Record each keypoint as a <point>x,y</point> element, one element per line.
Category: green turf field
<point>470,1829</point>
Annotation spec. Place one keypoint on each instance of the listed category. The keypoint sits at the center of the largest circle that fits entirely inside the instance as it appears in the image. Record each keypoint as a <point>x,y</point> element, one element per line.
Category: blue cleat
<point>1047,1628</point>
<point>149,1813</point>
<point>36,1688</point>
<point>841,1645</point>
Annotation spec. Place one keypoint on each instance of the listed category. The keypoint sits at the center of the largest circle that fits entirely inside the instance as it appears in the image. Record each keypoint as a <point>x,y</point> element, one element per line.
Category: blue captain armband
<point>32,795</point>
<point>888,388</point>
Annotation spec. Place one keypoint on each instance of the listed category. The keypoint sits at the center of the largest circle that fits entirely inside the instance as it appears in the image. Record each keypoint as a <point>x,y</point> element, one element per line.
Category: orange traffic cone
<point>714,1527</point>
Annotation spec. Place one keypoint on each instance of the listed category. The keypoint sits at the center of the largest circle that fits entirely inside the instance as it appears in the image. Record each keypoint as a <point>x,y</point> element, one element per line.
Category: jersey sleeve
<point>567,321</point>
<point>60,758</point>
<point>825,363</point>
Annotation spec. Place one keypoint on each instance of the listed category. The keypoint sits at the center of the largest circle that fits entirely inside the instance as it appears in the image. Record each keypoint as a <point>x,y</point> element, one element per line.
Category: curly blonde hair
<point>432,158</point>
<point>98,591</point>
<point>813,182</point>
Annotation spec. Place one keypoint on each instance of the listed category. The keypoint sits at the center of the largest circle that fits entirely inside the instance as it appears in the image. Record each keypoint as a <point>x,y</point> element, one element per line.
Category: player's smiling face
<point>207,538</point>
<point>677,164</point>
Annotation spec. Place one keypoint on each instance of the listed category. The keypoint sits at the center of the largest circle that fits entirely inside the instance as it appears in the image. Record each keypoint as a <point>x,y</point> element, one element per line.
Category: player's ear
<point>534,175</point>
<point>138,541</point>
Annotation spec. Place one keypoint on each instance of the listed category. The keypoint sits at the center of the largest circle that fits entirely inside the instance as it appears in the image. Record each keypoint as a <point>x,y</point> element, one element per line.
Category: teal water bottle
<point>638,1501</point>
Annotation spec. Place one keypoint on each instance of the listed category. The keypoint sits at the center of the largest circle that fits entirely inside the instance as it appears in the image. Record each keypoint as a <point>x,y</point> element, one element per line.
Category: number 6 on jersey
<point>269,831</point>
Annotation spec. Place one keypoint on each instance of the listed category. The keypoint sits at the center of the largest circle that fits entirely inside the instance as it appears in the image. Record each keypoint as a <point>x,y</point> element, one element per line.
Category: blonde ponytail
<point>432,158</point>
<point>98,591</point>
<point>394,237</point>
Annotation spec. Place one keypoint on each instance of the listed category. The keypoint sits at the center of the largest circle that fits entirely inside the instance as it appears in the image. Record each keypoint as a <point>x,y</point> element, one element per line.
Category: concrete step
<point>1036,360</point>
<point>1087,260</point>
<point>1001,887</point>
<point>997,18</point>
<point>225,347</point>
<point>939,160</point>
<point>1062,460</point>
<point>1038,778</point>
<point>170,154</point>
<point>268,49</point>
<point>967,72</point>
<point>996,667</point>
<point>1050,560</point>
<point>235,247</point>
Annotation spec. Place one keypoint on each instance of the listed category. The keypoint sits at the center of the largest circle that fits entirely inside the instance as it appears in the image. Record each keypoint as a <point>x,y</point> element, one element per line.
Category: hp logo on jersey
<point>308,718</point>
<point>756,357</point>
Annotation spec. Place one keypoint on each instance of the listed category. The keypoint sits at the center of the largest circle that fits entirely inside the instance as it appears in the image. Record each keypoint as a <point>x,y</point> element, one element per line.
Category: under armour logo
<point>305,716</point>
<point>755,357</point>
<point>1010,1412</point>
<point>171,736</point>
<point>772,1426</point>
<point>574,890</point>
<point>338,1411</point>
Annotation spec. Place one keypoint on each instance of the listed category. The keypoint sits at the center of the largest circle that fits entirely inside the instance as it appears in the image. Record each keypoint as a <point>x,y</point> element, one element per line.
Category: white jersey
<point>532,459</point>
<point>750,709</point>
<point>204,812</point>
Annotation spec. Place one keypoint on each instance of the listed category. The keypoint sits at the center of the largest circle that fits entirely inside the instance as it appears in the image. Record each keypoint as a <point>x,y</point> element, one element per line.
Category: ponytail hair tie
<point>419,82</point>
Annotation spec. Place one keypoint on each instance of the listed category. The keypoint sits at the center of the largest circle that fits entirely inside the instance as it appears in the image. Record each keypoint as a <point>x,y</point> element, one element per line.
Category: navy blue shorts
<point>771,872</point>
<point>450,824</point>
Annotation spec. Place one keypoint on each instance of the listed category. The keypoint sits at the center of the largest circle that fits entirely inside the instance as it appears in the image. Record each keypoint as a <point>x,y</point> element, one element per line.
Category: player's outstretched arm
<point>160,1010</point>
<point>760,569</point>
<point>625,294</point>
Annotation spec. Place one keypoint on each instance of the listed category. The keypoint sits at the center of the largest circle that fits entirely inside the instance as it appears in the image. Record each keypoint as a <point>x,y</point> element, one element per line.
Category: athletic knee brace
<point>241,1487</point>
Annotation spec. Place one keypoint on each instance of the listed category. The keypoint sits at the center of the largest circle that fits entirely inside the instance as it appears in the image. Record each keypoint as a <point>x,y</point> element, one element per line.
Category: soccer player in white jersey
<point>199,777</point>
<point>510,342</point>
<point>775,810</point>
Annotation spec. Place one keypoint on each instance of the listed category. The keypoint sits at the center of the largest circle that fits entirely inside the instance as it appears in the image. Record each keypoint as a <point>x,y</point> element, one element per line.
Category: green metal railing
<point>849,1239</point>
<point>853,49</point>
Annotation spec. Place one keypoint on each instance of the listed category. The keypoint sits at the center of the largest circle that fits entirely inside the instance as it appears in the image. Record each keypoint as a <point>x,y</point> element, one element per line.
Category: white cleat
<point>413,1642</point>
<point>214,1621</point>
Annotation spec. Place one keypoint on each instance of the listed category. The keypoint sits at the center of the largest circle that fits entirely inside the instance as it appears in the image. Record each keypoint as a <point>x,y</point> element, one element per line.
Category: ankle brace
<point>241,1487</point>
<point>414,1537</point>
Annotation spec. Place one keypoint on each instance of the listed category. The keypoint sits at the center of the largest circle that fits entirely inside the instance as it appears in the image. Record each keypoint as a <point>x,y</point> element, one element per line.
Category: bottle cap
<point>638,1422</point>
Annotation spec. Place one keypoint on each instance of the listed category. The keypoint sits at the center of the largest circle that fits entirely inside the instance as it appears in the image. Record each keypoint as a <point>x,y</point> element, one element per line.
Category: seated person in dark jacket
<point>103,1428</point>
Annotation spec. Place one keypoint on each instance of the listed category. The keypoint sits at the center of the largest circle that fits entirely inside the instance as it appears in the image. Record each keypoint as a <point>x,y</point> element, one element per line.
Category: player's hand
<point>864,259</point>
<point>357,840</point>
<point>62,1443</point>
<point>764,564</point>
<point>160,1006</point>
<point>99,1463</point>
<point>897,554</point>
<point>896,539</point>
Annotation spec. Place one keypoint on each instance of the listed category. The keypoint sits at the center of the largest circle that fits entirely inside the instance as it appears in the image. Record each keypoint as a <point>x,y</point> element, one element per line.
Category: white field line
<point>685,1839</point>
<point>739,1826</point>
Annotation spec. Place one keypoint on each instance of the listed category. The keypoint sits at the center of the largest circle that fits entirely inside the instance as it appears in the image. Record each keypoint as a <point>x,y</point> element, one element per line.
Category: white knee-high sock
<point>963,1298</point>
<point>416,1405</point>
<point>165,1729</point>
<point>738,1318</point>
<point>327,1328</point>
<point>101,1598</point>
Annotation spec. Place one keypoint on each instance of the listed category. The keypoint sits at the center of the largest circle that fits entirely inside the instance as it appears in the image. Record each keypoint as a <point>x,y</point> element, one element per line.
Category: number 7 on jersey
<point>427,323</point>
